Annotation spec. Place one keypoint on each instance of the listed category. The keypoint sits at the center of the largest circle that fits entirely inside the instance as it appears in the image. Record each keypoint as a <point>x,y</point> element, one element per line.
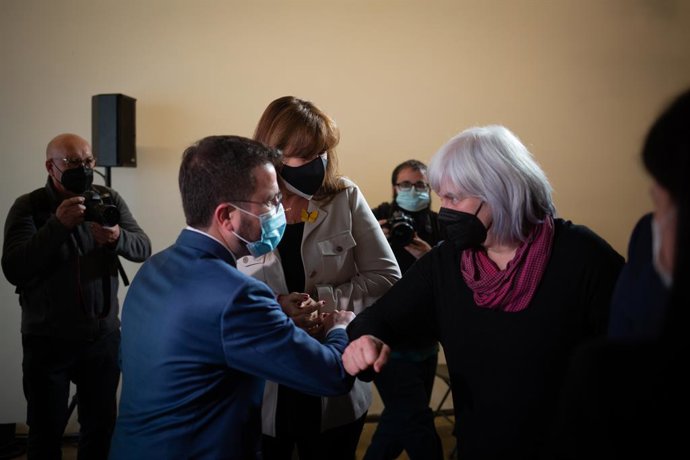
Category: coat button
<point>245,259</point>
<point>339,249</point>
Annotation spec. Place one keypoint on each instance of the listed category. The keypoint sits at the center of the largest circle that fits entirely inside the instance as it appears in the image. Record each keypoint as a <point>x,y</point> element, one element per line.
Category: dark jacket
<point>425,224</point>
<point>638,305</point>
<point>67,285</point>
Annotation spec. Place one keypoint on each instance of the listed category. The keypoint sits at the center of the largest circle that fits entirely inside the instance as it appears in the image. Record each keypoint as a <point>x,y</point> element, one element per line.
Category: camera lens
<point>97,211</point>
<point>110,215</point>
<point>401,229</point>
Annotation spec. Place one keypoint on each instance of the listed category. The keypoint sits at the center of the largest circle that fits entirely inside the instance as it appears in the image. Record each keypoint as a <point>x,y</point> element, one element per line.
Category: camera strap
<point>107,198</point>
<point>121,271</point>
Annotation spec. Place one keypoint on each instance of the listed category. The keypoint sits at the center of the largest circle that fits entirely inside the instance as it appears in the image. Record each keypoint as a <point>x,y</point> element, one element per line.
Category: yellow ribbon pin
<point>309,217</point>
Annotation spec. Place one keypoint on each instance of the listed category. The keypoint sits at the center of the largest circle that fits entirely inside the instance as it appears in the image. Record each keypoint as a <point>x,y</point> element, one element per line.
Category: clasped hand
<point>305,312</point>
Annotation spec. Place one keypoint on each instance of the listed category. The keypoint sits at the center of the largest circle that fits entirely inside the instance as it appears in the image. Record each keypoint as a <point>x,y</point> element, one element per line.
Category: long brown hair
<point>300,129</point>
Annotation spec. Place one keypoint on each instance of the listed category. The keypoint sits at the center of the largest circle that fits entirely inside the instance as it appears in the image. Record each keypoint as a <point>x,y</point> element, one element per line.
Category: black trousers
<point>49,366</point>
<point>298,425</point>
<point>407,421</point>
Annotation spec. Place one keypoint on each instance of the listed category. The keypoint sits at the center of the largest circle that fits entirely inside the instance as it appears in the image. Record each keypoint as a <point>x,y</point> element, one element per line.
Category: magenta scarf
<point>511,289</point>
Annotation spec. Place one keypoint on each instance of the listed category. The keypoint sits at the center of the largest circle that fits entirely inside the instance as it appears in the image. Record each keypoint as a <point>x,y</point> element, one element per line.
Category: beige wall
<point>578,80</point>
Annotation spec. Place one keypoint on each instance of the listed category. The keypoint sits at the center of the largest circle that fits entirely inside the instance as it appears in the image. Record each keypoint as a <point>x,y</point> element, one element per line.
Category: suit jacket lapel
<point>320,217</point>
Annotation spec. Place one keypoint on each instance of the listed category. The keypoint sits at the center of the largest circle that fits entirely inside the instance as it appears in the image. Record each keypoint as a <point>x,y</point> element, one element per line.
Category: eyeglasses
<point>271,204</point>
<point>406,186</point>
<point>69,163</point>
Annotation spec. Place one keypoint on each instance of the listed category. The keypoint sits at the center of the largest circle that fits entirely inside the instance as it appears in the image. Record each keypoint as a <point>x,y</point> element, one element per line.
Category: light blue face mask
<point>412,200</point>
<point>272,228</point>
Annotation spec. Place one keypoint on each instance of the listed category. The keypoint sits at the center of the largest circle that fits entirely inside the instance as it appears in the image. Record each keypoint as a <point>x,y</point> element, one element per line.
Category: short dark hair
<point>666,156</point>
<point>414,165</point>
<point>218,169</point>
<point>667,146</point>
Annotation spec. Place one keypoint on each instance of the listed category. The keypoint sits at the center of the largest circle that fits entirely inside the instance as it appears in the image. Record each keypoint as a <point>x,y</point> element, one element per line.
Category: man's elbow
<point>342,386</point>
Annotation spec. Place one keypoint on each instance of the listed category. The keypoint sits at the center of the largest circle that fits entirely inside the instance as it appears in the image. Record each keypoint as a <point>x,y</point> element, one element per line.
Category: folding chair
<point>442,373</point>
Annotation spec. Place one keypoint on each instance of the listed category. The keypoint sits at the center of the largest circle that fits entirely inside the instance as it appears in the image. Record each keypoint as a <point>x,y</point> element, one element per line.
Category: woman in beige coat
<point>333,256</point>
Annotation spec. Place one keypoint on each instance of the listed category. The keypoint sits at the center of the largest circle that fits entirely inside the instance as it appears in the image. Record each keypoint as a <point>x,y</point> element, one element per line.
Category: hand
<point>329,320</point>
<point>418,247</point>
<point>70,213</point>
<point>105,236</point>
<point>365,352</point>
<point>303,310</point>
<point>337,318</point>
<point>385,227</point>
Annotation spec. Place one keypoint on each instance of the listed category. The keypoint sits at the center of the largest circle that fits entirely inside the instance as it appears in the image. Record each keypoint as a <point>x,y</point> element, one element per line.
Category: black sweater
<point>506,368</point>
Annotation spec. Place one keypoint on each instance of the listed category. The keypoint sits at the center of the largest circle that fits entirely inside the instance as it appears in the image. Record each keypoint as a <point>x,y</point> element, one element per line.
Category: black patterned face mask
<point>463,229</point>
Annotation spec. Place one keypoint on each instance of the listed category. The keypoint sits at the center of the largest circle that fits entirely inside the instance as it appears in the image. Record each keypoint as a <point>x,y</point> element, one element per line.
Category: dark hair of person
<point>666,156</point>
<point>300,129</point>
<point>414,165</point>
<point>219,169</point>
<point>666,147</point>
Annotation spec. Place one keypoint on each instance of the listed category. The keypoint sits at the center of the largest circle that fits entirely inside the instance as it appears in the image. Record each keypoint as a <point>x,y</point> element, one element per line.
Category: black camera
<point>401,229</point>
<point>97,210</point>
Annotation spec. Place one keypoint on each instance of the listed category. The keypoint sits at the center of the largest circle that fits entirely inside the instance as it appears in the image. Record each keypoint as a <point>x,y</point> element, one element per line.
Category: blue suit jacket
<point>198,340</point>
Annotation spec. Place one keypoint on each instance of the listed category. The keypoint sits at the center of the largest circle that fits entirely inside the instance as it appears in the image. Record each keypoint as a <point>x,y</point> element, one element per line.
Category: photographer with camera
<point>405,383</point>
<point>61,250</point>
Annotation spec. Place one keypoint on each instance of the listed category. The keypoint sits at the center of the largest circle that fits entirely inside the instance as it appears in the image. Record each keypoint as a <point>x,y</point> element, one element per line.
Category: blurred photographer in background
<point>61,249</point>
<point>405,384</point>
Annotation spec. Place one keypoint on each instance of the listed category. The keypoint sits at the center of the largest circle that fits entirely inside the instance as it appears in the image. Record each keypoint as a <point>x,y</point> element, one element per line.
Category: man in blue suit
<point>199,338</point>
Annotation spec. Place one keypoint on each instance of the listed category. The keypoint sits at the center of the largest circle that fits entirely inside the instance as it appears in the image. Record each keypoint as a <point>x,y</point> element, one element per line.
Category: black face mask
<point>465,230</point>
<point>77,180</point>
<point>305,180</point>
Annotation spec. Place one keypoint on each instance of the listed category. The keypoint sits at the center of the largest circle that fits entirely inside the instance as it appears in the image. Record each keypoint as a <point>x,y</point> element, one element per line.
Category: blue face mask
<point>412,200</point>
<point>272,228</point>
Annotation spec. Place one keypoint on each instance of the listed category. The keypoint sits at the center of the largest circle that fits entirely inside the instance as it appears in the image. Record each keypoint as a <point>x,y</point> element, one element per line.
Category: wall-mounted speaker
<point>113,130</point>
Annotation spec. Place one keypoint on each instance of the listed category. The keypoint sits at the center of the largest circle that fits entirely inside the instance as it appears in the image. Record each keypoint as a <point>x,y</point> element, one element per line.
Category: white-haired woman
<point>509,294</point>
